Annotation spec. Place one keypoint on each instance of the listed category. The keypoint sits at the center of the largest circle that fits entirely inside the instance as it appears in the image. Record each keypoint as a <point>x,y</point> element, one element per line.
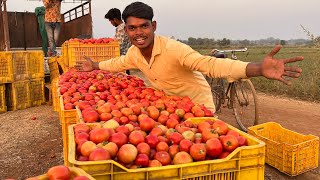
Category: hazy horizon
<point>236,20</point>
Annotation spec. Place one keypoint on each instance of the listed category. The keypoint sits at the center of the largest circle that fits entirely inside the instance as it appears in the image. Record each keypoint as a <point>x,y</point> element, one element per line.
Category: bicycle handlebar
<point>231,50</point>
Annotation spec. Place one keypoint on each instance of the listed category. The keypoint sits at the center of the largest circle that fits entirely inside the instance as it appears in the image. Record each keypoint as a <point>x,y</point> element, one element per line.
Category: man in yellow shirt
<point>176,68</point>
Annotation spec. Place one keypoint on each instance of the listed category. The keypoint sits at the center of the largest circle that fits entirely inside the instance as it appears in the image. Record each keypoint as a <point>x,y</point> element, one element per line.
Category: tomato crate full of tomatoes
<point>198,148</point>
<point>290,152</point>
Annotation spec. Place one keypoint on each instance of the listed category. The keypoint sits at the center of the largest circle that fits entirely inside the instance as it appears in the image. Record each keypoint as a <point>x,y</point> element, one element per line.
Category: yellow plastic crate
<point>55,94</point>
<point>61,62</point>
<point>17,95</point>
<point>36,87</point>
<point>290,152</point>
<point>74,173</point>
<point>54,68</point>
<point>6,68</point>
<point>36,64</point>
<point>3,107</point>
<point>20,65</point>
<point>245,162</point>
<point>64,51</point>
<point>97,52</point>
<point>67,118</point>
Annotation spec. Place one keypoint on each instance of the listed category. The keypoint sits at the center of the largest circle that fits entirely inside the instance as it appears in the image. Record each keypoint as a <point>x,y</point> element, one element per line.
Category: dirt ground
<point>29,147</point>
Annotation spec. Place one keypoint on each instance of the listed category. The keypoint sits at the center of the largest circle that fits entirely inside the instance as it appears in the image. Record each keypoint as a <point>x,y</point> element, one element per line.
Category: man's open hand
<point>272,68</point>
<point>87,65</point>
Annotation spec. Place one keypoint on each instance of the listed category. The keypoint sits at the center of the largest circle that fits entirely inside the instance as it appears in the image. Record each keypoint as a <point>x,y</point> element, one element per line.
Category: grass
<point>307,87</point>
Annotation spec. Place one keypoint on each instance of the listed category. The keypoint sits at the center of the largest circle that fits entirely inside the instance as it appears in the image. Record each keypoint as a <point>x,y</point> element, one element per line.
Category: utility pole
<point>5,25</point>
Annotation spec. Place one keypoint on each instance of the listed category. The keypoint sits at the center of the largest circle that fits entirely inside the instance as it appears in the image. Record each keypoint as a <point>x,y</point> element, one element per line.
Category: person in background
<point>176,68</point>
<point>114,17</point>
<point>52,22</point>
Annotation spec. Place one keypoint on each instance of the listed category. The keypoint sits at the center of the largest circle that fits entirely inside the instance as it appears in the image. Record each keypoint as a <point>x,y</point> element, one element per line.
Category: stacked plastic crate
<point>21,79</point>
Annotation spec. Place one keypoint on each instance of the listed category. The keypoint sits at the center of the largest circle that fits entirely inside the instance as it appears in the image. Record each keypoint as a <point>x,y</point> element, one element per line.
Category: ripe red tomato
<point>143,148</point>
<point>87,148</point>
<point>185,145</point>
<point>182,158</point>
<point>142,160</point>
<point>81,136</point>
<point>163,157</point>
<point>214,147</point>
<point>233,133</point>
<point>81,127</point>
<point>147,124</point>
<point>175,138</point>
<point>127,153</point>
<point>152,140</point>
<point>59,172</point>
<point>209,134</point>
<point>162,146</point>
<point>198,152</point>
<point>90,116</point>
<point>173,150</point>
<point>136,137</point>
<point>99,154</point>
<point>99,135</point>
<point>230,143</point>
<point>154,163</point>
<point>203,126</point>
<point>112,148</point>
<point>220,127</point>
<point>242,141</point>
<point>119,138</point>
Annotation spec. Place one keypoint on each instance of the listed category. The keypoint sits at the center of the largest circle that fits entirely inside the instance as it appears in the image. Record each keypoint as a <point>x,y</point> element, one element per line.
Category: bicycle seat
<point>219,55</point>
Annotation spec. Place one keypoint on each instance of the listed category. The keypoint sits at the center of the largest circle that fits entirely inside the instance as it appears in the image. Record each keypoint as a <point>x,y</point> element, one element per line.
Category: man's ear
<point>125,29</point>
<point>154,25</point>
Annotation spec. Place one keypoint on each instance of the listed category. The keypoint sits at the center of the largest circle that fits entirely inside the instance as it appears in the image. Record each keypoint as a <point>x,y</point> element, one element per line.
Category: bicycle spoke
<point>245,108</point>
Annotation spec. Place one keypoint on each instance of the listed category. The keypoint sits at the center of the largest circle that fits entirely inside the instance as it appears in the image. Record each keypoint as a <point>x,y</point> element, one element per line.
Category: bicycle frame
<point>230,93</point>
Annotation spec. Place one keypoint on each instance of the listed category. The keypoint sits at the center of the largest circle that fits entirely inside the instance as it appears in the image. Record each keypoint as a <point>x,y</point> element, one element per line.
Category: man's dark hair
<point>113,13</point>
<point>138,10</point>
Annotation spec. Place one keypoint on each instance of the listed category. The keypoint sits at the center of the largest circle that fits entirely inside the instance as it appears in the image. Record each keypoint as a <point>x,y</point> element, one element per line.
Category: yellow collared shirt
<point>177,69</point>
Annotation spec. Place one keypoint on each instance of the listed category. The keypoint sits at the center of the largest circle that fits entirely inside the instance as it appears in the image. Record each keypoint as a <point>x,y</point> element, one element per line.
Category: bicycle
<point>240,95</point>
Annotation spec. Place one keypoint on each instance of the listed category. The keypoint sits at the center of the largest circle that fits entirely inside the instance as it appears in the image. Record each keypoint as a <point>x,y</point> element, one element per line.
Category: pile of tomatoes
<point>136,146</point>
<point>139,126</point>
<point>91,40</point>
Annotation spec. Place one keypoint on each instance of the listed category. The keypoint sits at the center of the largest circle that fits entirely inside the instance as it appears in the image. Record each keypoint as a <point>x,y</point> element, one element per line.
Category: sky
<point>232,19</point>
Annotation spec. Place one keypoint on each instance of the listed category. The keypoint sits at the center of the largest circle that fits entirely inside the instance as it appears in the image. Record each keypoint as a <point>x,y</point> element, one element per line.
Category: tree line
<point>225,42</point>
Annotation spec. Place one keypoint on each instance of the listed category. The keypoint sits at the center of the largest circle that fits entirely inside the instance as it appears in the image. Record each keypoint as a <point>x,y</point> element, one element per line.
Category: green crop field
<point>307,87</point>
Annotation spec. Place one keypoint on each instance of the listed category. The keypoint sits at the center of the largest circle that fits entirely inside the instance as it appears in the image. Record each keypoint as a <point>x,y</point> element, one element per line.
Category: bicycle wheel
<point>245,104</point>
<point>217,90</point>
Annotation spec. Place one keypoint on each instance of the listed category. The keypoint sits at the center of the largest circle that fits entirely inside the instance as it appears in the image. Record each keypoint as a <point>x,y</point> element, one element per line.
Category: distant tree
<point>224,42</point>
<point>192,41</point>
<point>244,42</point>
